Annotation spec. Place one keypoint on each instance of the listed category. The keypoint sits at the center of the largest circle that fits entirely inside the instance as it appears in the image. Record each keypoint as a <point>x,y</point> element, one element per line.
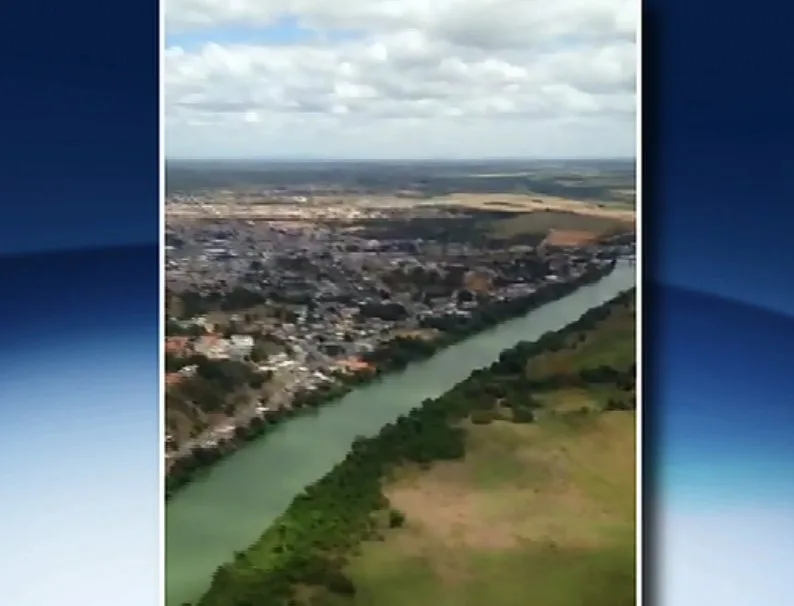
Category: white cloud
<point>419,78</point>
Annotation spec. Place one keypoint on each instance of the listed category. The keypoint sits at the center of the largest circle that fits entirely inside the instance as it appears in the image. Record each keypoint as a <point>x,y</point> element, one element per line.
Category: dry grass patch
<point>570,400</point>
<point>567,223</point>
<point>535,202</point>
<point>528,504</point>
<point>570,237</point>
<point>540,513</point>
<point>445,509</point>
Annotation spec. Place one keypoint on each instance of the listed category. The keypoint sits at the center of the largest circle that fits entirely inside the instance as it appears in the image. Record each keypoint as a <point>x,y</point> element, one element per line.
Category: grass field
<point>544,221</point>
<point>535,514</point>
<point>612,344</point>
<point>533,202</point>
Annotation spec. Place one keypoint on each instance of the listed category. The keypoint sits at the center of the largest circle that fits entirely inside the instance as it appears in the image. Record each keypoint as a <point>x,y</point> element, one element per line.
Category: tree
<point>396,518</point>
<point>523,414</point>
<point>337,582</point>
<point>482,417</point>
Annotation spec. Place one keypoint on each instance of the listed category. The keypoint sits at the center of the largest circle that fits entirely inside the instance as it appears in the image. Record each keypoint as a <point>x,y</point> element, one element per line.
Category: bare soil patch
<point>570,237</point>
<point>568,223</point>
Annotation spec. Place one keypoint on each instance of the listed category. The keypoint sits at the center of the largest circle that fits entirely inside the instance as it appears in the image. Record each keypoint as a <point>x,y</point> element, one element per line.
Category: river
<point>229,508</point>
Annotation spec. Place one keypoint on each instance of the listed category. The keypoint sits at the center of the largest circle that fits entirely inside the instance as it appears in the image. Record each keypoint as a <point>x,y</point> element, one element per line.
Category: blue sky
<point>285,31</point>
<point>376,78</point>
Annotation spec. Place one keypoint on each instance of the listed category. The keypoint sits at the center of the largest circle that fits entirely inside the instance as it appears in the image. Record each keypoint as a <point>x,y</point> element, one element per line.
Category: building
<point>173,378</point>
<point>177,346</point>
<point>478,280</point>
<point>240,346</point>
<point>213,347</point>
<point>354,365</point>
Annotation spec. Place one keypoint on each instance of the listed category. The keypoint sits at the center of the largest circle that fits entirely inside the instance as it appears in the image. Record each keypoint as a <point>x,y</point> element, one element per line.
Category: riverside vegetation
<point>571,392</point>
<point>207,388</point>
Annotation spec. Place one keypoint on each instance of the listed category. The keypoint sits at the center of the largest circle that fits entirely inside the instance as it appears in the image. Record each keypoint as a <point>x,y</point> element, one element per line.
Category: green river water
<point>229,508</point>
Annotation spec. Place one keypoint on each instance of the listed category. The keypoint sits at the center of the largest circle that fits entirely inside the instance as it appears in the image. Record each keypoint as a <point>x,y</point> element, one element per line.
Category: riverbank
<point>224,512</point>
<point>395,357</point>
<point>310,545</point>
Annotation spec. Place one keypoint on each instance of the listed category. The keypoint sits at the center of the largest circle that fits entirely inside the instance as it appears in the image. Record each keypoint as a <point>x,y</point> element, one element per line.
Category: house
<point>173,378</point>
<point>188,371</point>
<point>212,347</point>
<point>177,346</point>
<point>240,346</point>
<point>354,365</point>
<point>204,323</point>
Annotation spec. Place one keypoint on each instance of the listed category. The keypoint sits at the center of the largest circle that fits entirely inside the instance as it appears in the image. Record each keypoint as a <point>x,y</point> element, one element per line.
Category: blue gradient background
<point>78,262</point>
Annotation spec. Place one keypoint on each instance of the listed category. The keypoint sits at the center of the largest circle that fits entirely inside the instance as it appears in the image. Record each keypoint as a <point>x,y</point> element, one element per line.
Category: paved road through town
<point>227,510</point>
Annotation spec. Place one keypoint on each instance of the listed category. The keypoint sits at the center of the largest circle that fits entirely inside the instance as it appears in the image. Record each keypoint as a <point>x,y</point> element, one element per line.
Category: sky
<point>400,78</point>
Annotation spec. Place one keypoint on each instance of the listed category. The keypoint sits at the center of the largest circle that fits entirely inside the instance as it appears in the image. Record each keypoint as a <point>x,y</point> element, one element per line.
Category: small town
<point>265,316</point>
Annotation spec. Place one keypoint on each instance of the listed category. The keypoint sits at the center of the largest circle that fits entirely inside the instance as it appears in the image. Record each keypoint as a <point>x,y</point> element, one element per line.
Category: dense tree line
<point>398,352</point>
<point>309,544</point>
<point>191,304</point>
<point>495,311</point>
<point>386,310</point>
<point>423,282</point>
